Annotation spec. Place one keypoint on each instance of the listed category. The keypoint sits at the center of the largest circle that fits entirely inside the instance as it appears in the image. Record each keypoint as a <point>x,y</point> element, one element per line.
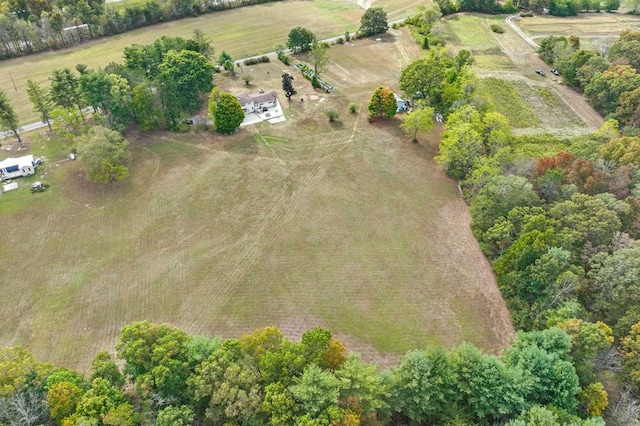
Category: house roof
<point>26,160</point>
<point>264,97</point>
<point>258,98</point>
<point>244,99</point>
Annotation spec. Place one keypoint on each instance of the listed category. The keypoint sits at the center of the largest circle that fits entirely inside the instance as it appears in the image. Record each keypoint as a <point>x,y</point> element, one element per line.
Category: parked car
<point>554,71</point>
<point>542,73</point>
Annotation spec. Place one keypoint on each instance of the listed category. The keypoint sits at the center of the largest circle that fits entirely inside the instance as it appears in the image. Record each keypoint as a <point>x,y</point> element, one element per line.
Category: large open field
<point>348,226</point>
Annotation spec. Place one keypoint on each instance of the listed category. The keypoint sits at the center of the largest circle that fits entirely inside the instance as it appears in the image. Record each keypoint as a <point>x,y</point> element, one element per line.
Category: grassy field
<point>348,225</point>
<point>595,30</point>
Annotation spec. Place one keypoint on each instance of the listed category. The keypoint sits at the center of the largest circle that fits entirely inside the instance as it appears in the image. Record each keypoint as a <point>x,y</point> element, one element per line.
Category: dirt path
<point>519,48</point>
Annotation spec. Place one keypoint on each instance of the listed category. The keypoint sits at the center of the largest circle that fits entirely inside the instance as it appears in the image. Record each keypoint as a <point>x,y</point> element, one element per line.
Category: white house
<point>258,102</point>
<point>16,167</point>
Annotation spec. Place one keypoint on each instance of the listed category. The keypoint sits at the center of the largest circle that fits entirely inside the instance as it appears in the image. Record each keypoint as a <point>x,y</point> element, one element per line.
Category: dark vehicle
<point>554,71</point>
<point>542,73</point>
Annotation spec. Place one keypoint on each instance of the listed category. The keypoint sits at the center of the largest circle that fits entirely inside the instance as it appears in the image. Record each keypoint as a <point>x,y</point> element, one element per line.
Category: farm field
<point>596,30</point>
<point>348,226</point>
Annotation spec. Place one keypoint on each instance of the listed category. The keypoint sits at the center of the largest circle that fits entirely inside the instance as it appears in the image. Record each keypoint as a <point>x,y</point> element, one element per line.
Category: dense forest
<point>558,217</point>
<point>170,378</point>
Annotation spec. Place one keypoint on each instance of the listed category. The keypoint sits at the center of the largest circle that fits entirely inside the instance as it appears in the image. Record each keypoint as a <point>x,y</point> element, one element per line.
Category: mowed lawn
<point>347,226</point>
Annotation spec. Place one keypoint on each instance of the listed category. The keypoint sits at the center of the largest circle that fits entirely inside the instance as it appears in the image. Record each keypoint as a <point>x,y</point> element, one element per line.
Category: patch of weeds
<point>547,96</point>
<point>507,101</point>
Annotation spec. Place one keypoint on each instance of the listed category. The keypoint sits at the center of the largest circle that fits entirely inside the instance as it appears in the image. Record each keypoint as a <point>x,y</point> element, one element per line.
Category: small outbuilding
<point>402,104</point>
<point>16,167</point>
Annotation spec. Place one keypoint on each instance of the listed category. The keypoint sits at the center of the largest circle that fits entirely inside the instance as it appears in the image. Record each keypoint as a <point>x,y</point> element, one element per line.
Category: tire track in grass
<point>244,253</point>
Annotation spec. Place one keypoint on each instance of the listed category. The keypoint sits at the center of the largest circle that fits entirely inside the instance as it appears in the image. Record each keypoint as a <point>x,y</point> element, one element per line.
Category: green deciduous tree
<point>316,391</point>
<point>156,358</point>
<point>103,152</point>
<point>65,90</point>
<point>228,113</point>
<point>143,107</point>
<point>364,382</point>
<point>8,117</point>
<point>373,21</point>
<point>300,39</point>
<point>418,120</point>
<point>497,198</point>
<point>41,101</point>
<point>319,57</point>
<point>226,61</point>
<point>104,367</point>
<point>99,400</point>
<point>228,384</point>
<point>425,78</point>
<point>424,386</point>
<point>549,376</point>
<point>588,218</point>
<point>184,76</point>
<point>487,390</point>
<point>175,416</point>
<point>382,103</point>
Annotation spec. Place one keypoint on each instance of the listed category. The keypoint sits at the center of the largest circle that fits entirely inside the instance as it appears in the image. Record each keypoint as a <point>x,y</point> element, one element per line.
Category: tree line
<point>559,218</point>
<point>609,79</point>
<point>28,27</point>
<point>163,376</point>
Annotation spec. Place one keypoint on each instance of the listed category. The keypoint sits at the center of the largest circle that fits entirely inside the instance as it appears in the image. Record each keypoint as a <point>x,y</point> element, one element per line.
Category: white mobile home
<point>16,167</point>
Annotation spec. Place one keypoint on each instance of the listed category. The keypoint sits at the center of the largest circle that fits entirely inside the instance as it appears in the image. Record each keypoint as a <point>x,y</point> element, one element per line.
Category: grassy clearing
<point>532,103</point>
<point>346,225</point>
<point>474,34</point>
<point>508,101</point>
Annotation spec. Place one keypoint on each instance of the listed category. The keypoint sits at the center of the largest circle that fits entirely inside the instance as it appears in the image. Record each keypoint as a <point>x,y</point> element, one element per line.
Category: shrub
<point>353,107</point>
<point>497,28</point>
<point>332,115</point>
<point>347,36</point>
<point>247,78</point>
<point>340,40</point>
<point>284,58</point>
<point>264,58</point>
